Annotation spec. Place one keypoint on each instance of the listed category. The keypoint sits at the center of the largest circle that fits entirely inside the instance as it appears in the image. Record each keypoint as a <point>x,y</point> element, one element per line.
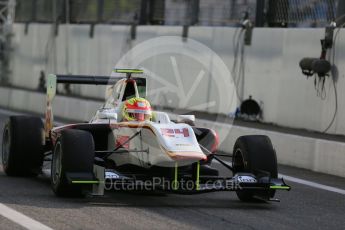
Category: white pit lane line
<point>21,219</point>
<point>305,182</point>
<point>313,184</point>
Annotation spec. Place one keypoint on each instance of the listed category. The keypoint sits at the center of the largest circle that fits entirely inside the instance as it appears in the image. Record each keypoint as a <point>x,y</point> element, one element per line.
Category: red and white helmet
<point>137,109</point>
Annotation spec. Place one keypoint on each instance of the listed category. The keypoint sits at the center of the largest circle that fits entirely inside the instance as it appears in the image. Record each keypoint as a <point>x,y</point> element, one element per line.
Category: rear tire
<point>254,154</point>
<point>73,153</point>
<point>22,146</point>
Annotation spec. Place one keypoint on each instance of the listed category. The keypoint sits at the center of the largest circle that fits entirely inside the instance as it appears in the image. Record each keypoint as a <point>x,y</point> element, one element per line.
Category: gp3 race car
<point>121,148</point>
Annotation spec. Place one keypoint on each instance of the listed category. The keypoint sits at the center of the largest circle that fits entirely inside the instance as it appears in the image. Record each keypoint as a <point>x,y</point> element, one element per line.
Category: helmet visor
<point>139,115</point>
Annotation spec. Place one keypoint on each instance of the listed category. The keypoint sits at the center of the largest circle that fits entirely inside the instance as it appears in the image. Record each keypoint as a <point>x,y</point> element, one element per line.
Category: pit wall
<point>272,74</point>
<point>298,151</point>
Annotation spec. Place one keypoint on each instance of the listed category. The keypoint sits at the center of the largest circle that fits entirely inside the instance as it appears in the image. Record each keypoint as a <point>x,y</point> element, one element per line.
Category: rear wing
<point>53,80</point>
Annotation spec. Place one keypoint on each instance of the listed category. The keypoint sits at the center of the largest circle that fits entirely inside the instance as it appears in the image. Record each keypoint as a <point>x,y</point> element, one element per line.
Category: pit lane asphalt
<point>303,207</point>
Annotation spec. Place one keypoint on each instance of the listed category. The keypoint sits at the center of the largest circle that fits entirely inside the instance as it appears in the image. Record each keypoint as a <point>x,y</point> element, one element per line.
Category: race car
<point>128,145</point>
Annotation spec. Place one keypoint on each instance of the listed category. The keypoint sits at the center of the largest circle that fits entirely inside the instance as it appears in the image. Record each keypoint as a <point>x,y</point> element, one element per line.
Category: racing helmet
<point>137,109</point>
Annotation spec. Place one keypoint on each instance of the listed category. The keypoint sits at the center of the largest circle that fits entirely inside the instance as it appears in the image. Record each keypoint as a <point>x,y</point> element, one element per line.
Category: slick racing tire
<point>22,146</point>
<point>254,154</point>
<point>73,153</point>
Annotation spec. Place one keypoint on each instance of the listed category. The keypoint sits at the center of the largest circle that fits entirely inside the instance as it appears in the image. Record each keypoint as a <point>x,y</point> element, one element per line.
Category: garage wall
<point>272,73</point>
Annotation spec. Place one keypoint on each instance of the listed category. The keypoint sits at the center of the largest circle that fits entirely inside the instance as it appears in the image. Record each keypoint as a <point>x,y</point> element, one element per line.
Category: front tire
<point>254,154</point>
<point>22,146</point>
<point>73,153</point>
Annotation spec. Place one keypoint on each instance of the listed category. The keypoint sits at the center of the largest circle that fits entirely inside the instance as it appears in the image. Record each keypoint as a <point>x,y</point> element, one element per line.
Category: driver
<point>136,109</point>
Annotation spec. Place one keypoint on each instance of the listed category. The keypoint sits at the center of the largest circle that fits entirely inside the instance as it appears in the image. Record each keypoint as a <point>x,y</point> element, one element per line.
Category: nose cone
<point>180,156</point>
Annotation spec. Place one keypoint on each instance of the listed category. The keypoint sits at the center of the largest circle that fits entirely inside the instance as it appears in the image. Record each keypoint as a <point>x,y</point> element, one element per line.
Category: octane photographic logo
<point>185,77</point>
<point>161,183</point>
